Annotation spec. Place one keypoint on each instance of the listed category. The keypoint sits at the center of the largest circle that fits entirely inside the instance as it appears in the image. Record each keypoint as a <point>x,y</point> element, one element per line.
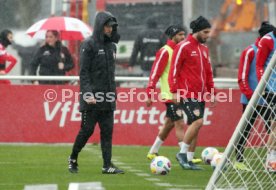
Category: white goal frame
<point>240,127</point>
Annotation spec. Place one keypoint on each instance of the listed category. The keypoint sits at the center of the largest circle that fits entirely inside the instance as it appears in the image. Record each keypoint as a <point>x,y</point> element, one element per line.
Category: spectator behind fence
<point>52,59</point>
<point>7,61</point>
<point>147,43</point>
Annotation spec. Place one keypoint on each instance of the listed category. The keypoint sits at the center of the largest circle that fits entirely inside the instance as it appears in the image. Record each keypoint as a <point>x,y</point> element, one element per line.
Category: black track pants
<point>105,119</point>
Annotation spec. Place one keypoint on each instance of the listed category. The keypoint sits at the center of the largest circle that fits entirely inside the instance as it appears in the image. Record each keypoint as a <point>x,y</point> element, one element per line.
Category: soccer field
<point>47,164</point>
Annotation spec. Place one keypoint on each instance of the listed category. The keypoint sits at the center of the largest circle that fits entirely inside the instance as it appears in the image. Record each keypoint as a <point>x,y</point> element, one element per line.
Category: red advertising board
<point>49,114</point>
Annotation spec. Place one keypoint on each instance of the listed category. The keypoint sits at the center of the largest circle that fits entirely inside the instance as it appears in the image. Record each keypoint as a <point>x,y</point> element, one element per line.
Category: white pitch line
<point>118,163</point>
<point>152,179</point>
<point>143,174</point>
<point>164,184</point>
<point>139,173</point>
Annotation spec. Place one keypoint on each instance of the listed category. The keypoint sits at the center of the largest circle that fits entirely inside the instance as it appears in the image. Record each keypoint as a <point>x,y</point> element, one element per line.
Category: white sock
<point>156,145</point>
<point>180,144</point>
<point>273,155</point>
<point>190,156</point>
<point>184,148</point>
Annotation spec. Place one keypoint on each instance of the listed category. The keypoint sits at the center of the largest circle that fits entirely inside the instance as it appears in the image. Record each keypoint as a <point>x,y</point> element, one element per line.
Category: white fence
<point>219,82</point>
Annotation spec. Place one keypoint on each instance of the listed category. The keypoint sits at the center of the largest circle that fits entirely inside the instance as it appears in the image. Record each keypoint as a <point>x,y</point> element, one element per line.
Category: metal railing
<point>219,82</point>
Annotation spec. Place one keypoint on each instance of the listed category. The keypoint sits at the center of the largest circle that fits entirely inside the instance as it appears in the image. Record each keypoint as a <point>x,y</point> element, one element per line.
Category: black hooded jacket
<point>97,66</point>
<point>148,42</point>
<point>48,57</point>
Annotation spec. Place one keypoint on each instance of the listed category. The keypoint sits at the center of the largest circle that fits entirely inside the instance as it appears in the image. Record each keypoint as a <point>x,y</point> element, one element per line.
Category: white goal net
<point>249,160</point>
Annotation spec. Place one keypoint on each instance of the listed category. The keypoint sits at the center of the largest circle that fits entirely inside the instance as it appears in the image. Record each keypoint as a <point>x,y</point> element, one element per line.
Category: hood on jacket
<point>151,22</point>
<point>101,19</point>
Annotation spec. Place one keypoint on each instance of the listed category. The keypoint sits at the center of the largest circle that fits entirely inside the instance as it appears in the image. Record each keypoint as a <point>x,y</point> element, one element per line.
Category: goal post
<point>226,176</point>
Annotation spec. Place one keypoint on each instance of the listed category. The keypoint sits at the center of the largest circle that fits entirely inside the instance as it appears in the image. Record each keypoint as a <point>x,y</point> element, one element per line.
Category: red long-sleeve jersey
<point>4,58</point>
<point>191,70</point>
<point>158,67</point>
<point>266,45</point>
<point>246,59</point>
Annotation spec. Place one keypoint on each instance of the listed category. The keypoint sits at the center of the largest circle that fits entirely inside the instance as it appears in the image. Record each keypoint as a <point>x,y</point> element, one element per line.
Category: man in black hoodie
<point>98,90</point>
<point>147,43</point>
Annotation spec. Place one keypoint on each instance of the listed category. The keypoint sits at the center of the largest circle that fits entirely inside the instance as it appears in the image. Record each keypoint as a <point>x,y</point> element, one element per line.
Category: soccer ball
<point>271,166</point>
<point>160,165</point>
<point>216,160</point>
<point>208,154</point>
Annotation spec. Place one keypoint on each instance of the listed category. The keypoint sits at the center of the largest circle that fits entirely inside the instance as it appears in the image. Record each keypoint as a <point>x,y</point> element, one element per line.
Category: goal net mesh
<point>252,142</point>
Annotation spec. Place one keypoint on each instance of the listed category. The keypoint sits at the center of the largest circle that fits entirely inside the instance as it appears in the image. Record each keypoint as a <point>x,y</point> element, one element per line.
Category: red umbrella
<point>70,28</point>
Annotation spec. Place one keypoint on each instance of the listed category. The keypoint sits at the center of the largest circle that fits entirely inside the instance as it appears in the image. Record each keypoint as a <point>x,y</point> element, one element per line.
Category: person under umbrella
<point>52,59</point>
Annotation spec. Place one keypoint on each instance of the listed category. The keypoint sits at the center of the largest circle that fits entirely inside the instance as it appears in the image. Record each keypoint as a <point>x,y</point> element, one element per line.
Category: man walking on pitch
<point>248,82</point>
<point>160,70</point>
<point>267,47</point>
<point>98,90</point>
<point>190,78</point>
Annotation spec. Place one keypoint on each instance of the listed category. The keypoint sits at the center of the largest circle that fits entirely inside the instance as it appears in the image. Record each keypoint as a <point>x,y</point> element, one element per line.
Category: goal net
<point>252,144</point>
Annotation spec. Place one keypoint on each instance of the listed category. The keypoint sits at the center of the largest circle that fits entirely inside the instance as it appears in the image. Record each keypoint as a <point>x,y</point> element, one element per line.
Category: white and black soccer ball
<point>216,160</point>
<point>208,154</point>
<point>160,165</point>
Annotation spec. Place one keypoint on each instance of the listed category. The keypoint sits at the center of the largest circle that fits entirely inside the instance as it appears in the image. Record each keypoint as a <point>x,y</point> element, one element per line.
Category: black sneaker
<point>72,165</point>
<point>182,159</point>
<point>194,166</point>
<point>112,170</point>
